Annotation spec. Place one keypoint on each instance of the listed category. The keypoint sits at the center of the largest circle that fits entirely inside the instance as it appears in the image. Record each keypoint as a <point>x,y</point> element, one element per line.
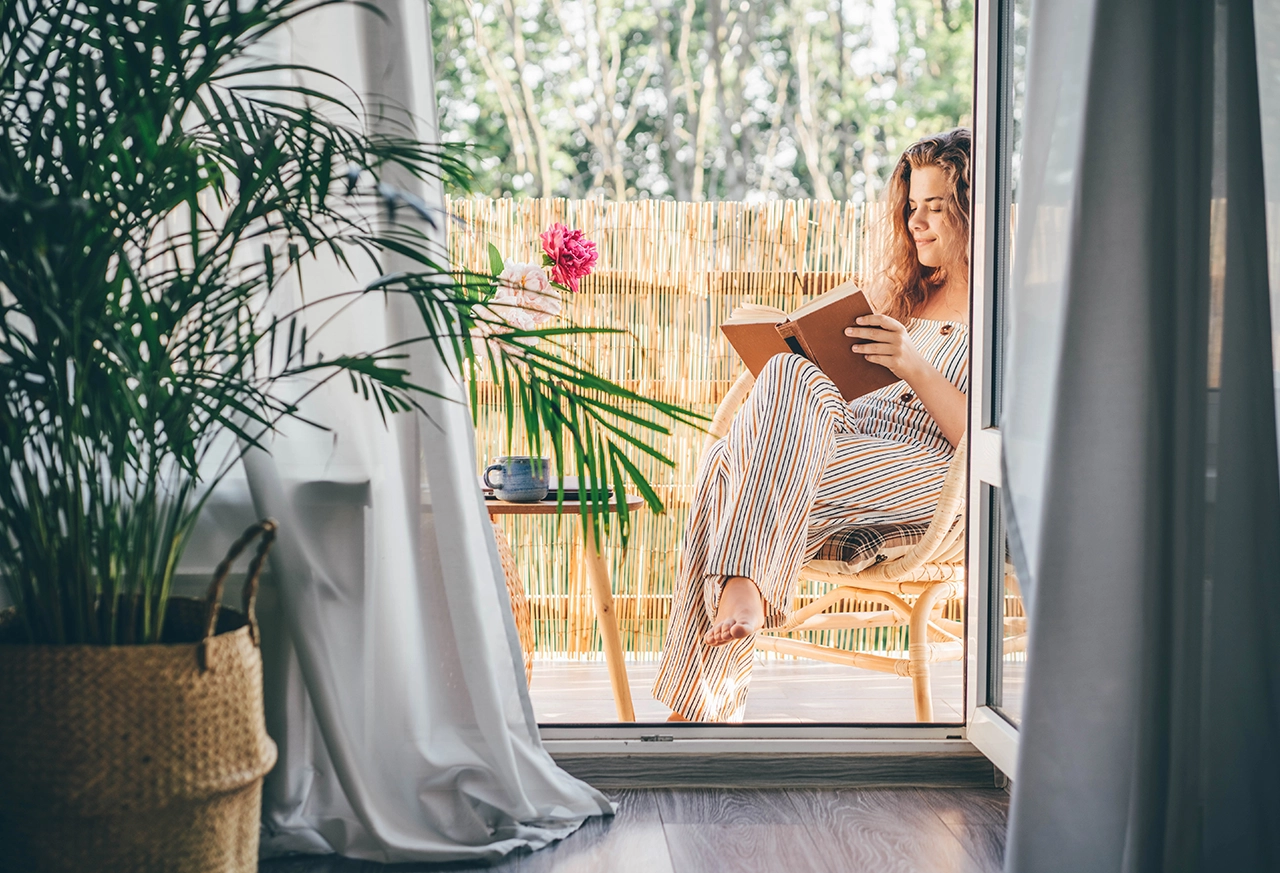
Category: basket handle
<point>267,530</point>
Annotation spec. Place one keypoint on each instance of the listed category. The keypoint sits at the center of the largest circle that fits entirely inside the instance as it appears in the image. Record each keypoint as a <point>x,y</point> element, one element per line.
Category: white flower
<point>525,297</point>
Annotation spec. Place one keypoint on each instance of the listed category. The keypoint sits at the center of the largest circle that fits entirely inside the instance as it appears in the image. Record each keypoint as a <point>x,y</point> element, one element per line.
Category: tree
<point>699,99</point>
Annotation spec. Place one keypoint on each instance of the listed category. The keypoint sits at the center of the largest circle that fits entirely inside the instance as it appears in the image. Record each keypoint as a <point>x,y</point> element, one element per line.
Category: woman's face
<point>934,236</point>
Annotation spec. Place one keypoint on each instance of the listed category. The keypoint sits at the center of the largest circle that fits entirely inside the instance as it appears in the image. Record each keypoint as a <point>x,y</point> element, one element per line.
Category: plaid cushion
<point>860,547</point>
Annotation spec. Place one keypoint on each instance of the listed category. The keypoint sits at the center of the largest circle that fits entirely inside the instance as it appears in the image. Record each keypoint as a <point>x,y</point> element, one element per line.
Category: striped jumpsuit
<point>798,465</point>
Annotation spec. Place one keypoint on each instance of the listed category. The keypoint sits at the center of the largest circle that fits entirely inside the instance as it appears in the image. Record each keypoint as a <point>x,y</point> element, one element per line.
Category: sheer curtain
<point>1141,454</point>
<point>393,678</point>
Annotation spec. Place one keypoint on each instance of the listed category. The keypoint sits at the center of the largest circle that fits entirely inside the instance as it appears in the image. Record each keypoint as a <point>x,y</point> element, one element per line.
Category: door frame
<point>987,728</point>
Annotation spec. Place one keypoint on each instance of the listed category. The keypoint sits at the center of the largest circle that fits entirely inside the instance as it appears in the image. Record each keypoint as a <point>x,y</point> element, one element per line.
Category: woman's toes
<point>728,630</point>
<point>719,634</point>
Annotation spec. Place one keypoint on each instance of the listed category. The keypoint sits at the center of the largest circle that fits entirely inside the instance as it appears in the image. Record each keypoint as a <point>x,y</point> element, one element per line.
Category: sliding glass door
<point>996,623</point>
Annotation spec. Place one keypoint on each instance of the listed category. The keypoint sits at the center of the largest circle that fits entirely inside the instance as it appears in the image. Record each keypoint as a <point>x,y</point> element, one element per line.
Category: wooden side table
<point>601,590</point>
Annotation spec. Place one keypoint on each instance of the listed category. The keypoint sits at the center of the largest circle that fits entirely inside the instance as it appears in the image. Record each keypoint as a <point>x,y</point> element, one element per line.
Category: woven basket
<point>138,758</point>
<point>519,600</point>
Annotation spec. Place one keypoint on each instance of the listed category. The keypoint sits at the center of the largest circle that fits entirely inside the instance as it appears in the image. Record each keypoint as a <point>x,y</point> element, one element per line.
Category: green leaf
<point>496,264</point>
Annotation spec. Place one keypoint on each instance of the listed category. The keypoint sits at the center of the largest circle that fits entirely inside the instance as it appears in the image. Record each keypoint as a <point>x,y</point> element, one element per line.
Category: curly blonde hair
<point>904,284</point>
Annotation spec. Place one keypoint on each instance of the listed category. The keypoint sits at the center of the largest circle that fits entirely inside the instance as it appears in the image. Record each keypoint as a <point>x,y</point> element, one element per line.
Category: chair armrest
<point>727,409</point>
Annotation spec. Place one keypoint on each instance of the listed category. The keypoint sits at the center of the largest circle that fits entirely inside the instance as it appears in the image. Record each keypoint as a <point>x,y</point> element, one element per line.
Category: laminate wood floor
<point>844,830</point>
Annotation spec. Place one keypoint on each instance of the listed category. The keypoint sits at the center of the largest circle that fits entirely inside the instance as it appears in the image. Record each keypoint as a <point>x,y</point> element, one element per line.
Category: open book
<point>816,331</point>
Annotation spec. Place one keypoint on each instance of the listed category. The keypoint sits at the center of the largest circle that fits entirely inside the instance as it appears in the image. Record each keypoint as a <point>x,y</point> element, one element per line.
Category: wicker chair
<point>909,569</point>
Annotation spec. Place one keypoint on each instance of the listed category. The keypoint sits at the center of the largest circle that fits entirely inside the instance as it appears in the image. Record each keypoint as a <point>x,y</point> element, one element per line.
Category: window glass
<point>1007,621</point>
<point>1013,73</point>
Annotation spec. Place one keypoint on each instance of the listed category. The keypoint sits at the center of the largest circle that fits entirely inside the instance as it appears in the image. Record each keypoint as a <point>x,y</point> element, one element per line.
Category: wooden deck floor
<point>885,830</point>
<point>782,690</point>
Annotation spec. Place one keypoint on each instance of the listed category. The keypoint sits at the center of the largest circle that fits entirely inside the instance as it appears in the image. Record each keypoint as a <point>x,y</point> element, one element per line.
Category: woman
<point>799,464</point>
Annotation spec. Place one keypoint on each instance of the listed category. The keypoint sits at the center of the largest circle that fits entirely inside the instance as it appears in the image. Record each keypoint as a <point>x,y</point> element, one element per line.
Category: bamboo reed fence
<point>670,272</point>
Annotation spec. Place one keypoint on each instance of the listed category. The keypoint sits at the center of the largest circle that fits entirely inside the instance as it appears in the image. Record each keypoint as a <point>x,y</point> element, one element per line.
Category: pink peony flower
<point>569,255</point>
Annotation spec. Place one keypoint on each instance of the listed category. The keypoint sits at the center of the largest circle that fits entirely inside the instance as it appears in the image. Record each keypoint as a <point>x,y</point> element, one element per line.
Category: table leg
<point>607,619</point>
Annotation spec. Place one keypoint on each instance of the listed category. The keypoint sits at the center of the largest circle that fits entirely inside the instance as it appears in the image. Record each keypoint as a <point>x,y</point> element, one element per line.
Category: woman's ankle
<point>740,586</point>
<point>738,580</point>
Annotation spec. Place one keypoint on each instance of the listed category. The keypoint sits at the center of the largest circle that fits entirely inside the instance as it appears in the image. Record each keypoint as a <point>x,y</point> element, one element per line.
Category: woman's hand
<point>890,346</point>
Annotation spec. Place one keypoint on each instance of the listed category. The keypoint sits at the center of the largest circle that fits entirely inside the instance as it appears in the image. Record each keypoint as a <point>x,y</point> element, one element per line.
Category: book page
<point>753,312</point>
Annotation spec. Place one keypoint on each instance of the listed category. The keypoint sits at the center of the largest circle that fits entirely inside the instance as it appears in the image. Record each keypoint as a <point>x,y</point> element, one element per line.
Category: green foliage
<point>157,187</point>
<point>699,99</point>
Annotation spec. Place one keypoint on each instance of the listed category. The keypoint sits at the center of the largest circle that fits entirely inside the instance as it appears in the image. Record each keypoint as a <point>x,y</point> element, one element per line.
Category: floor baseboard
<point>765,770</point>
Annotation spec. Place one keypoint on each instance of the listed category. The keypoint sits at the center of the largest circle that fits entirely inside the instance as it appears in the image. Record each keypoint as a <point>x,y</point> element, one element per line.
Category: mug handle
<point>489,469</point>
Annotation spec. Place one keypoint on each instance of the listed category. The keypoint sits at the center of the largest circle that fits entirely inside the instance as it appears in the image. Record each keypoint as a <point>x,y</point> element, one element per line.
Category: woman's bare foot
<point>675,716</point>
<point>740,613</point>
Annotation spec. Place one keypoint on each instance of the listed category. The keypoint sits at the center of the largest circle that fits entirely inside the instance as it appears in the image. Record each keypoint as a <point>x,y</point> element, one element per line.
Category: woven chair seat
<point>857,548</point>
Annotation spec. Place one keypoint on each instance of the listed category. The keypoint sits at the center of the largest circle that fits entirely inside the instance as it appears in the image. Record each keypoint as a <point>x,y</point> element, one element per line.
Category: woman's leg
<point>875,481</point>
<point>749,519</point>
<point>686,659</point>
<point>777,448</point>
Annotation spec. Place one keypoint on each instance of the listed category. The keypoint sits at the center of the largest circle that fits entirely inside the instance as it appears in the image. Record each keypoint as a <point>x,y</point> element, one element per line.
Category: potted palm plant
<point>155,195</point>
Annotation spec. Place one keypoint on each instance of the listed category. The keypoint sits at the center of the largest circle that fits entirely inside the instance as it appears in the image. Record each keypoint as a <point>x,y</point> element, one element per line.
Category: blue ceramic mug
<point>523,479</point>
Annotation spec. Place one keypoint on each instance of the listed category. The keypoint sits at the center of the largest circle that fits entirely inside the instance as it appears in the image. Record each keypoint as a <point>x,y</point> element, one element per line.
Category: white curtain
<point>1144,503</point>
<point>394,683</point>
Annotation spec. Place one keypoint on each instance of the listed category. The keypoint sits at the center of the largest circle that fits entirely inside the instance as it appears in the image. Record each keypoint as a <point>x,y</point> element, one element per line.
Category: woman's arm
<point>891,346</point>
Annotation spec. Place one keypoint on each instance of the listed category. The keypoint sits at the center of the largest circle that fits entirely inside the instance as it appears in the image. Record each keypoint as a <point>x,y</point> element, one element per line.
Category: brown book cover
<point>816,331</point>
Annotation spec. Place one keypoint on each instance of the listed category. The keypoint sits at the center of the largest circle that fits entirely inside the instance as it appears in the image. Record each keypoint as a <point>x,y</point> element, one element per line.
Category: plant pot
<point>140,758</point>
